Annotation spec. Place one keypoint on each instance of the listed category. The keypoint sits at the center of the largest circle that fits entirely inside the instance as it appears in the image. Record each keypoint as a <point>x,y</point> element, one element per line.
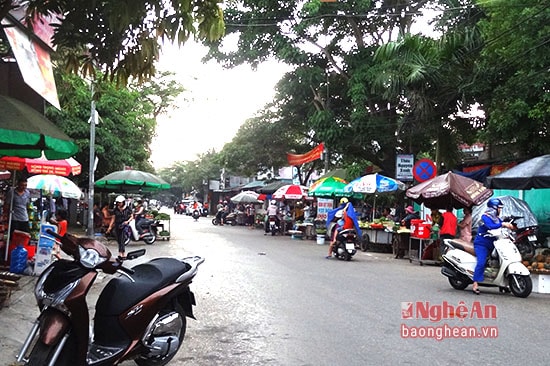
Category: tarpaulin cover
<point>512,207</point>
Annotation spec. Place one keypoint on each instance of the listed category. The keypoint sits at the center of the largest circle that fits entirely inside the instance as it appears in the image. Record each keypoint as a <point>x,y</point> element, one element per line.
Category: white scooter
<point>148,235</point>
<point>503,269</point>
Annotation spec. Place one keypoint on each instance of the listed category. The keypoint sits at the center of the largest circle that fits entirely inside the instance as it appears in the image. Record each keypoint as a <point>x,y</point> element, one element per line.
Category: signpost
<point>424,169</point>
<point>404,167</point>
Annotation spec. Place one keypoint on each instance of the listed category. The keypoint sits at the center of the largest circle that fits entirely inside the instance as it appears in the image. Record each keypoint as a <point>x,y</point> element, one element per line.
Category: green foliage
<point>514,69</point>
<point>123,38</point>
<point>127,120</point>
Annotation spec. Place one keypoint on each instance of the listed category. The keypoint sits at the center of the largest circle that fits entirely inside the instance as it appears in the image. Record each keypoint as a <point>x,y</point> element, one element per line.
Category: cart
<point>377,239</point>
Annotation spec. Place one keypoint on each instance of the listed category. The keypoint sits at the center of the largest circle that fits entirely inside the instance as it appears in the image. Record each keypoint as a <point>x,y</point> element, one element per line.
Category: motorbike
<point>503,269</point>
<point>272,224</point>
<point>346,243</point>
<point>148,234</point>
<point>526,241</point>
<point>140,315</point>
<point>229,219</point>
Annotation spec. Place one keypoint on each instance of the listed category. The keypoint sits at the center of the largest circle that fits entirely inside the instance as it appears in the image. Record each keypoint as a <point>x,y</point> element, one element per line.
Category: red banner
<point>299,159</point>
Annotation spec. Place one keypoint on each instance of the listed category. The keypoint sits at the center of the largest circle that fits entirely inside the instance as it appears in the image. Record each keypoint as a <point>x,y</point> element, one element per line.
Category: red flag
<point>299,159</point>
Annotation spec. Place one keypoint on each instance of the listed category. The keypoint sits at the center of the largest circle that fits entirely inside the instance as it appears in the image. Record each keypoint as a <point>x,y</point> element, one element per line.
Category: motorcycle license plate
<point>532,238</point>
<point>350,246</point>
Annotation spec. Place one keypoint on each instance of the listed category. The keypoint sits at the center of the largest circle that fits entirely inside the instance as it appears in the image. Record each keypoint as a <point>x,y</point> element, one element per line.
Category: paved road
<point>265,300</point>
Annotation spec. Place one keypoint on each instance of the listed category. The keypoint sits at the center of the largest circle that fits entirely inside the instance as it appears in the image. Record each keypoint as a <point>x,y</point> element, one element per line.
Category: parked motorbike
<point>504,268</point>
<point>346,242</point>
<point>140,315</point>
<point>229,219</point>
<point>526,241</point>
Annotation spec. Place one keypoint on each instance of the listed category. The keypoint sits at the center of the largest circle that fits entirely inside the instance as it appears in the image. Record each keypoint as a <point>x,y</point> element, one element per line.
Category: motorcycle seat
<point>121,293</point>
<point>463,245</point>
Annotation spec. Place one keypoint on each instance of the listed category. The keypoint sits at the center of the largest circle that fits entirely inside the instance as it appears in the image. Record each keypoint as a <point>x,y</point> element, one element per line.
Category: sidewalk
<point>18,313</point>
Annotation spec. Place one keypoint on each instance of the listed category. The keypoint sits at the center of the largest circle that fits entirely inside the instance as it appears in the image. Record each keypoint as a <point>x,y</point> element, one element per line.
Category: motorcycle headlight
<point>90,258</point>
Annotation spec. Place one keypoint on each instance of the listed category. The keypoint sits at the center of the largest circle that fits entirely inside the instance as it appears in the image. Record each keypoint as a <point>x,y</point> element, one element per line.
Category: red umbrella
<point>63,167</point>
<point>290,192</point>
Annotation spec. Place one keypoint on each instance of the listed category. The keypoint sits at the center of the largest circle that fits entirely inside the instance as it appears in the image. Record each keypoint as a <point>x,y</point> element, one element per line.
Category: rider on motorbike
<point>345,217</point>
<point>483,244</point>
<point>272,211</point>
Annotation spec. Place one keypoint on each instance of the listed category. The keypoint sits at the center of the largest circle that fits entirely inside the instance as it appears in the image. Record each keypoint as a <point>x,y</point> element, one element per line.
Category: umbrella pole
<point>10,218</point>
<point>373,208</point>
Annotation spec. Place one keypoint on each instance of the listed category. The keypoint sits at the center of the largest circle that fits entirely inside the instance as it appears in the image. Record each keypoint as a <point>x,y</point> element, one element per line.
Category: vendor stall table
<point>308,229</point>
<point>400,243</point>
<point>422,244</point>
<point>376,239</point>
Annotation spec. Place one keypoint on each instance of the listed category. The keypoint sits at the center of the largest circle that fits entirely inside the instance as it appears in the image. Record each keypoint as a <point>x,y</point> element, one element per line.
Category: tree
<point>330,44</point>
<point>513,76</point>
<point>190,176</point>
<point>127,120</point>
<point>122,38</point>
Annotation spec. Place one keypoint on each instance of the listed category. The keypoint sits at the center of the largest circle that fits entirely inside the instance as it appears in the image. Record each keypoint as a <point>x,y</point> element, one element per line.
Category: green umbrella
<point>331,187</point>
<point>131,180</point>
<point>26,133</point>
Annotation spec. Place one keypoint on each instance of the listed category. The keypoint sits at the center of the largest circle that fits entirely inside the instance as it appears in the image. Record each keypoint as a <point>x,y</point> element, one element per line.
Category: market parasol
<point>131,180</point>
<point>374,184</point>
<point>54,185</point>
<point>246,197</point>
<point>533,173</point>
<point>449,189</point>
<point>290,192</point>
<point>42,165</point>
<point>26,133</point>
<point>328,187</point>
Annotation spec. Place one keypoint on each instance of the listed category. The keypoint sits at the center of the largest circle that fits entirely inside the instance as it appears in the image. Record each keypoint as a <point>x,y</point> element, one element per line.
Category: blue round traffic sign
<point>424,169</point>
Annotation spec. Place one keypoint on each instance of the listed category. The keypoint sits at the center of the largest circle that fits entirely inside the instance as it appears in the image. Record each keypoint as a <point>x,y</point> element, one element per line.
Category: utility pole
<point>91,180</point>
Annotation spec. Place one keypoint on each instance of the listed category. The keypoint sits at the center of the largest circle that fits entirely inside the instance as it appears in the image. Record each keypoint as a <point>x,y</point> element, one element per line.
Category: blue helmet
<point>495,203</point>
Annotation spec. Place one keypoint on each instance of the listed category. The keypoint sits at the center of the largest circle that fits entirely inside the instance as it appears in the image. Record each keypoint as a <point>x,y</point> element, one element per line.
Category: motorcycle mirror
<point>135,254</point>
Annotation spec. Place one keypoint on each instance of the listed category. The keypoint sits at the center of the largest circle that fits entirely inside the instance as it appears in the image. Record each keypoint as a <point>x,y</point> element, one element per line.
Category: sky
<point>216,103</point>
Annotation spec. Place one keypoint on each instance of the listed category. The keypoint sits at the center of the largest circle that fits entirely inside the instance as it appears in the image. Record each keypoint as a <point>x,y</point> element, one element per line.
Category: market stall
<point>377,235</point>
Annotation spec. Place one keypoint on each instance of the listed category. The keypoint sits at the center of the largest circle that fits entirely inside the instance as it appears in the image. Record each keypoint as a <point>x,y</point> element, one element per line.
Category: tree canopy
<point>122,38</point>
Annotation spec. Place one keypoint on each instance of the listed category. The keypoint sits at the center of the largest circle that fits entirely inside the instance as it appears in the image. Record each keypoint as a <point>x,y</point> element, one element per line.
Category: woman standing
<point>122,215</point>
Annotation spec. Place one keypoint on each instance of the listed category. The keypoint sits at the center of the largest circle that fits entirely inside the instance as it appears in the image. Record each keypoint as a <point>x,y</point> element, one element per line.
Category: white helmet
<point>120,198</point>
<point>273,202</point>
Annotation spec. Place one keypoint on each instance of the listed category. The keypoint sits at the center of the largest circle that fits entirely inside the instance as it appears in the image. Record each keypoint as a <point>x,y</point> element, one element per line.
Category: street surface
<point>265,300</point>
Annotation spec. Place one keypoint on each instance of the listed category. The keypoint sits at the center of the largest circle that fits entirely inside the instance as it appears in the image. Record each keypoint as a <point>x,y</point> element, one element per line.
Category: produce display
<point>540,263</point>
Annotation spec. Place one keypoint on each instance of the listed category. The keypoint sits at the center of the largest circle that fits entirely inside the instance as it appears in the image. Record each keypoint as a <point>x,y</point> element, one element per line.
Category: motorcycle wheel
<point>521,286</point>
<point>458,284</point>
<point>150,239</point>
<point>161,361</point>
<point>233,222</point>
<point>42,354</point>
<point>215,222</point>
<point>526,248</point>
<point>347,256</point>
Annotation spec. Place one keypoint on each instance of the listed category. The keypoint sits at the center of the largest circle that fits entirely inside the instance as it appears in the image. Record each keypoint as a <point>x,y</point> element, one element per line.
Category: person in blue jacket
<point>338,212</point>
<point>484,245</point>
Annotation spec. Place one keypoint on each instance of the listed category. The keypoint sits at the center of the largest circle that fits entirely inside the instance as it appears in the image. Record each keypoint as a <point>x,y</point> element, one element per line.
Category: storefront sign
<point>404,167</point>
<point>324,205</point>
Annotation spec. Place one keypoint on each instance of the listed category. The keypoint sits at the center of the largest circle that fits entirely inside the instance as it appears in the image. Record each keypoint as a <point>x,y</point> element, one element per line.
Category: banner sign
<point>299,159</point>
<point>324,205</point>
<point>404,167</point>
